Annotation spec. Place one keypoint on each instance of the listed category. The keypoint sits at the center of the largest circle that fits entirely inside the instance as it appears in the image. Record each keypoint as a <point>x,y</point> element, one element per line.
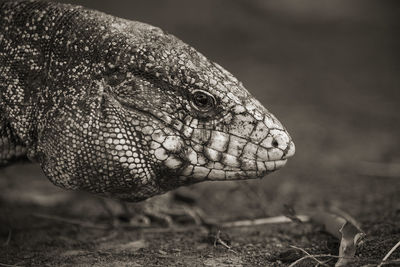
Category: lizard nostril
<point>275,143</point>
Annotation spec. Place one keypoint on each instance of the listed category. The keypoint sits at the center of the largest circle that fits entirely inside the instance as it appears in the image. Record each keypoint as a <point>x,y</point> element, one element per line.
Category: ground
<point>329,70</point>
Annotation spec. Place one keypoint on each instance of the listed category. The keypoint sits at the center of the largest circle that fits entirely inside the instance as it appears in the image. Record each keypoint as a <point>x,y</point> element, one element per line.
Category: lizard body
<point>121,108</point>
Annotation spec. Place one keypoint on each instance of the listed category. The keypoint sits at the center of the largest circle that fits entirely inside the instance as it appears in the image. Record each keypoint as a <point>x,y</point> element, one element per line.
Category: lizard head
<point>196,120</point>
<point>154,114</point>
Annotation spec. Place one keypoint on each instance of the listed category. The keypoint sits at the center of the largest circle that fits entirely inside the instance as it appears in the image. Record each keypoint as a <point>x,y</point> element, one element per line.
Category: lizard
<point>123,109</point>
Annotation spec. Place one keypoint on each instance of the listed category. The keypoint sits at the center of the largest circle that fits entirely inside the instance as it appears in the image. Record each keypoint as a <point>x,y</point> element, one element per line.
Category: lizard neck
<point>27,31</point>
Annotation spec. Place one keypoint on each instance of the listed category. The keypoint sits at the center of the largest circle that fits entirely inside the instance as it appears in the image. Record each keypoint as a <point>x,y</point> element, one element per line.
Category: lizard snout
<point>290,150</point>
<point>276,146</point>
<point>281,140</point>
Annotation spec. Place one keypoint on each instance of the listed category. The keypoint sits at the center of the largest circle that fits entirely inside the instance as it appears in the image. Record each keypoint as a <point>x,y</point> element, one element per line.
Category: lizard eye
<point>202,101</point>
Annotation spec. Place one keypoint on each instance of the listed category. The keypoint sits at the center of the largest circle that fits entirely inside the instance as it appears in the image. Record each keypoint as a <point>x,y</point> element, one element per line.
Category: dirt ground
<point>329,70</point>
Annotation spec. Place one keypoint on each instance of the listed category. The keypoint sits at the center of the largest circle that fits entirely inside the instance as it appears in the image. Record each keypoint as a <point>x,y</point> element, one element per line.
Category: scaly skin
<point>123,109</point>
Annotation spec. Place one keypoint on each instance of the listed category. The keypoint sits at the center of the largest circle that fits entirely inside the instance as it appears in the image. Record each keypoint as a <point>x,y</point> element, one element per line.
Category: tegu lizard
<point>124,109</point>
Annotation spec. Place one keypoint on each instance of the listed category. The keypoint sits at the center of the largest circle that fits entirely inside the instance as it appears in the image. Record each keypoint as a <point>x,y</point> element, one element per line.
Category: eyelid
<point>202,91</point>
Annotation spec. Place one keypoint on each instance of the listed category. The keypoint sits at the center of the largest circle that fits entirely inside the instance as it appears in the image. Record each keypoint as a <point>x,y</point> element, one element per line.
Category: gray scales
<point>123,109</point>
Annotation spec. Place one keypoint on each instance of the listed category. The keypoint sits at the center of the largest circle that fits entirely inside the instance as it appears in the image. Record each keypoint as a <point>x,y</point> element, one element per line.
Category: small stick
<point>308,254</point>
<point>107,237</point>
<point>312,257</point>
<point>270,220</point>
<point>389,253</point>
<point>222,242</point>
<point>170,229</point>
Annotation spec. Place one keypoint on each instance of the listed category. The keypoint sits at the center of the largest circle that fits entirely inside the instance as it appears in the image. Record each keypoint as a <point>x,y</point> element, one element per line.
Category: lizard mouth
<point>253,169</point>
<point>215,171</point>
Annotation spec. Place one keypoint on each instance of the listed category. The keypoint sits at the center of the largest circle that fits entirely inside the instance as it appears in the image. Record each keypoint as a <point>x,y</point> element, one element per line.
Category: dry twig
<point>308,254</point>
<point>314,257</point>
<point>270,220</point>
<point>389,253</point>
<point>222,242</point>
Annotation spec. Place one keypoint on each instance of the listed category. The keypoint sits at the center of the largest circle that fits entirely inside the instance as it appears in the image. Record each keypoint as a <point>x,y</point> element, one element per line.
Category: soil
<point>328,70</point>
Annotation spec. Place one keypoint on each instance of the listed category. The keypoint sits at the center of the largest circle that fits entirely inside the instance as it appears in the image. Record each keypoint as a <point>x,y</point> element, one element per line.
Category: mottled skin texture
<point>122,108</point>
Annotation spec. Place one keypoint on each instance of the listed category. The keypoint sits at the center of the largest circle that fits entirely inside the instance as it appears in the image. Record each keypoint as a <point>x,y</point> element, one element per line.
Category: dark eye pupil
<point>203,101</point>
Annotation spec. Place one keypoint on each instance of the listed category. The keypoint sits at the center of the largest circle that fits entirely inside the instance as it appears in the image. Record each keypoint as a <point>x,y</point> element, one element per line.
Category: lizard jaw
<point>198,162</point>
<point>200,173</point>
<point>234,168</point>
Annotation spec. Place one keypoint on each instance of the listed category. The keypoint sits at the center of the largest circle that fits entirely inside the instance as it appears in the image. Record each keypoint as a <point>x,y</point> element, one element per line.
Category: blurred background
<point>329,70</point>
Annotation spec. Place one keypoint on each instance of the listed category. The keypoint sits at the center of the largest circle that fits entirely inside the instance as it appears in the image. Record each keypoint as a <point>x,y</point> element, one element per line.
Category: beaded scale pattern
<point>122,108</point>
